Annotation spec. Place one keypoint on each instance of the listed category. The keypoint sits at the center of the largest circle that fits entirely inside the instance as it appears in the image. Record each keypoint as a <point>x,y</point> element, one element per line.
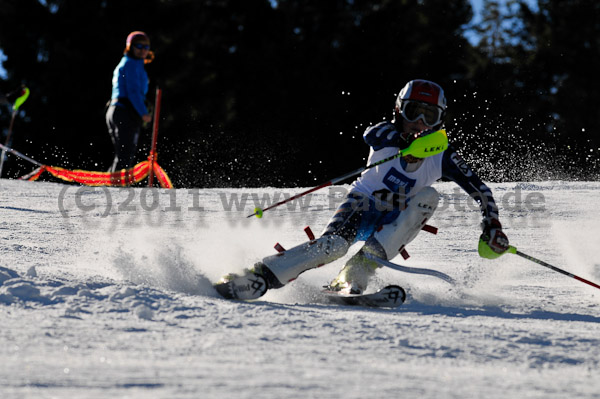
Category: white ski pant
<point>287,265</point>
<point>396,235</point>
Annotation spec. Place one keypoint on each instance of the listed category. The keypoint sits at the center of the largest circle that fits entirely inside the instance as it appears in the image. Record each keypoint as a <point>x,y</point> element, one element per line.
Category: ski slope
<point>107,293</point>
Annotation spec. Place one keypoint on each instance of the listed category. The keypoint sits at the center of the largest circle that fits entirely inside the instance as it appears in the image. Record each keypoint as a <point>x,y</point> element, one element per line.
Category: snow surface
<point>107,293</point>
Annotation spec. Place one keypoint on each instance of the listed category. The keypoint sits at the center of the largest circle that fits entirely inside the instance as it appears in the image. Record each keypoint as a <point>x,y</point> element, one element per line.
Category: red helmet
<point>422,99</point>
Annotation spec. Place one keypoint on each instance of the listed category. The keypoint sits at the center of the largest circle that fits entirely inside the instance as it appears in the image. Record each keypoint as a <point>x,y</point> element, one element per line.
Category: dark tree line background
<point>259,93</point>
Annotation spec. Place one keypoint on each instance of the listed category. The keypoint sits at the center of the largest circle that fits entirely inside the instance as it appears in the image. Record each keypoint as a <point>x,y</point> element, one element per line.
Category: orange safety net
<point>123,177</point>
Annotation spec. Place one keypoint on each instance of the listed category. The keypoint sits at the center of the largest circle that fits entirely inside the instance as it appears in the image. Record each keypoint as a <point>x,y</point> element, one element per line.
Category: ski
<point>244,287</point>
<point>391,296</point>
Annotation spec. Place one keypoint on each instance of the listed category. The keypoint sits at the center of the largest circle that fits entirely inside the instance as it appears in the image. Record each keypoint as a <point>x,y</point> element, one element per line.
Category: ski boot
<point>354,276</point>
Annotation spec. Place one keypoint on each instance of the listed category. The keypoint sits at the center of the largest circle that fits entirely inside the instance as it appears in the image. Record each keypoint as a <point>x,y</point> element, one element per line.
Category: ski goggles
<point>141,46</point>
<point>412,111</point>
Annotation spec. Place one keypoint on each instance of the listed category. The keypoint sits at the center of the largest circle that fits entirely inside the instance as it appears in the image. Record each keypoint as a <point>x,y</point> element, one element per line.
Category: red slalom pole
<point>154,134</point>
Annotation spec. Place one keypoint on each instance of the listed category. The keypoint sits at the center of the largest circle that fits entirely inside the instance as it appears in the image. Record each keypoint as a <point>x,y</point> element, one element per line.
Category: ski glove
<point>493,236</point>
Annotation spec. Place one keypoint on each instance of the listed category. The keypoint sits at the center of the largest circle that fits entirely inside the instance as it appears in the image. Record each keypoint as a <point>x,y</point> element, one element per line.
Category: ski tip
<point>395,293</point>
<point>245,287</point>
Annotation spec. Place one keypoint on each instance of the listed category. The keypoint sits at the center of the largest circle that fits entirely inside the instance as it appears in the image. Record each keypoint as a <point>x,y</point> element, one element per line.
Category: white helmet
<point>422,99</point>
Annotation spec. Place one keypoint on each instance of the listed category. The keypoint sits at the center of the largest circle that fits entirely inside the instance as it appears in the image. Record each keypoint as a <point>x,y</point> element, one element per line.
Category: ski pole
<point>423,147</point>
<point>18,102</point>
<point>514,250</point>
<point>18,154</point>
<point>413,270</point>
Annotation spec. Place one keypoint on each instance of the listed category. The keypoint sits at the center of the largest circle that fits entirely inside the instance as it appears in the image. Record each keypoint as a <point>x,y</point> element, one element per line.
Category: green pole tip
<point>22,98</point>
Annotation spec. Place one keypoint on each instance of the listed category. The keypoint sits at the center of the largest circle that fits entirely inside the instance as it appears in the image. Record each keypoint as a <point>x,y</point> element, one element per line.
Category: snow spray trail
<point>186,262</point>
<point>574,245</point>
<point>165,267</point>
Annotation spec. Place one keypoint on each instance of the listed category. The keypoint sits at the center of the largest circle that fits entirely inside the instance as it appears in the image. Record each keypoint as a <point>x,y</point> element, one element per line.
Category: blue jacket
<point>130,81</point>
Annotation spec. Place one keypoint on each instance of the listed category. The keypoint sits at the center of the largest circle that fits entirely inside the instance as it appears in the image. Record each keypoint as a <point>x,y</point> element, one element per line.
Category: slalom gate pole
<point>18,102</point>
<point>514,250</point>
<point>432,144</point>
<point>154,135</point>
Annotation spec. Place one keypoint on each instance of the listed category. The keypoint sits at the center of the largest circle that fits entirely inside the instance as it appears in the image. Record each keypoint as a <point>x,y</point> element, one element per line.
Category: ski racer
<point>388,205</point>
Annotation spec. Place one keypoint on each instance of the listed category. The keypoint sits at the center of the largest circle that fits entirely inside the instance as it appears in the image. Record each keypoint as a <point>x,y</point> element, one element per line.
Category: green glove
<point>493,243</point>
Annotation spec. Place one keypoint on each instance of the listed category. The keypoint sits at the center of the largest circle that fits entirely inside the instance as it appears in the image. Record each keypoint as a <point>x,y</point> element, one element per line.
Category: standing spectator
<point>127,111</point>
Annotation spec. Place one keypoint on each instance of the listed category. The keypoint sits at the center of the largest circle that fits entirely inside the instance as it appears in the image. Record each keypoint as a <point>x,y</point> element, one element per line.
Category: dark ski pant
<point>124,130</point>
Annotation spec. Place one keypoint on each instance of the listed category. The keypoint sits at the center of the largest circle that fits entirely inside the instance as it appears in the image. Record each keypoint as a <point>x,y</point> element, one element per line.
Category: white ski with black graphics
<point>390,296</point>
<point>253,286</point>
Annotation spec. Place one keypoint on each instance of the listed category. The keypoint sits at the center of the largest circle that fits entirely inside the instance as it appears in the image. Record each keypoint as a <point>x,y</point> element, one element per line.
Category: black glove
<point>493,236</point>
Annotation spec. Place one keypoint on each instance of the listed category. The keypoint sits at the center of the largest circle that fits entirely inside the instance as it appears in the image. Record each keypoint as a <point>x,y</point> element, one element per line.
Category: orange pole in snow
<point>154,135</point>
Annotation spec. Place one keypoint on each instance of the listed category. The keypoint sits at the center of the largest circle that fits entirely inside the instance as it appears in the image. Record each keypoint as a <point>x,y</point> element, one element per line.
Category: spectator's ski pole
<point>514,250</point>
<point>18,102</point>
<point>18,154</point>
<point>423,147</point>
